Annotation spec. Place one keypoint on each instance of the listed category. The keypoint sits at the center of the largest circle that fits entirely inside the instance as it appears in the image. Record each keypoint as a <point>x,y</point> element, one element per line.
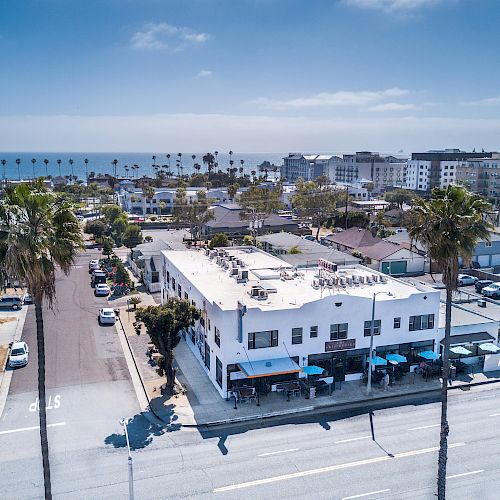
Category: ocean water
<point>101,163</point>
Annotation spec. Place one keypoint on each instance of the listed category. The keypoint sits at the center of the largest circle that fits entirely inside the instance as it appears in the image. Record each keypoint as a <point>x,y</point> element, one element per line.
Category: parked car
<point>481,284</point>
<point>107,316</point>
<point>11,302</point>
<point>102,290</point>
<point>98,277</point>
<point>18,354</point>
<point>492,291</point>
<point>93,265</point>
<point>465,279</point>
<point>28,298</point>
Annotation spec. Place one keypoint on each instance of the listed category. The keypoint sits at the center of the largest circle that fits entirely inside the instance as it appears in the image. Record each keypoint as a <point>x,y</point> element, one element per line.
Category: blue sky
<point>249,75</point>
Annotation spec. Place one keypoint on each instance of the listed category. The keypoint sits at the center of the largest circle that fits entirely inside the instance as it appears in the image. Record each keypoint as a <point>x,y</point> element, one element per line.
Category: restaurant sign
<point>340,345</point>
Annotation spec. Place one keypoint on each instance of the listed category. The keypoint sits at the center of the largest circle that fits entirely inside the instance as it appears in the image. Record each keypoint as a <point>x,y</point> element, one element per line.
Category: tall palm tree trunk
<point>443,441</point>
<point>42,412</point>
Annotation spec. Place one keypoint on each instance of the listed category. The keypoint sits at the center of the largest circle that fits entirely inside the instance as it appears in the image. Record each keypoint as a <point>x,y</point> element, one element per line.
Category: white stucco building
<point>262,319</point>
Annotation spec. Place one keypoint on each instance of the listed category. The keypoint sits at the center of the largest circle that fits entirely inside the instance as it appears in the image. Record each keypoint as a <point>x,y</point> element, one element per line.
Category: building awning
<point>469,338</point>
<point>269,367</point>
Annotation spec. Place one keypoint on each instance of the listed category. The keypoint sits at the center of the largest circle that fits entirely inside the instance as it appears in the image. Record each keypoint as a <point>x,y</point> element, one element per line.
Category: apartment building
<point>264,320</point>
<point>439,168</point>
<point>482,176</point>
<point>307,167</point>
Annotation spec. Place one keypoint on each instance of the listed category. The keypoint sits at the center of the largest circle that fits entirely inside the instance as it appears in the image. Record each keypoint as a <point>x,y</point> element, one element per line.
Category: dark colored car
<point>481,284</point>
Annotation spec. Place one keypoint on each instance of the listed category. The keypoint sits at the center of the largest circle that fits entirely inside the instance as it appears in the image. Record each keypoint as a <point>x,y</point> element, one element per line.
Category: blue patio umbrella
<point>430,355</point>
<point>378,361</point>
<point>312,370</point>
<point>398,358</point>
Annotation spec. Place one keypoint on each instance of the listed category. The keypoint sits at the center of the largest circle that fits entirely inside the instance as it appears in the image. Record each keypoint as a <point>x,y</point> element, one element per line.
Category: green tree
<point>449,225</point>
<point>118,228</point>
<point>400,197</point>
<point>219,240</point>
<point>194,213</point>
<point>95,227</point>
<point>315,201</point>
<point>41,234</point>
<point>164,325</point>
<point>232,189</point>
<point>111,213</point>
<point>247,240</point>
<point>294,250</point>
<point>132,236</point>
<point>107,247</point>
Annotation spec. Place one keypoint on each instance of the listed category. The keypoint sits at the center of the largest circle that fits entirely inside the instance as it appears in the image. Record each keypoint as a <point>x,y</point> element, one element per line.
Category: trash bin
<point>453,371</point>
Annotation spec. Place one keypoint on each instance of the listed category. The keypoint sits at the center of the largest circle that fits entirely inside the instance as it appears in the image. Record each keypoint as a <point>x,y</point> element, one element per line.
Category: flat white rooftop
<point>285,287</point>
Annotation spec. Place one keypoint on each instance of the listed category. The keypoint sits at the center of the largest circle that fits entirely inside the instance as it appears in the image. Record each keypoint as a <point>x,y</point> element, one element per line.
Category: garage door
<point>484,260</point>
<point>395,267</point>
<point>495,260</point>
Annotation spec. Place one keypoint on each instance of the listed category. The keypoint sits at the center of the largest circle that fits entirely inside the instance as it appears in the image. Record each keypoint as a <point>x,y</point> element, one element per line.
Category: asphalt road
<point>88,390</point>
<point>332,456</point>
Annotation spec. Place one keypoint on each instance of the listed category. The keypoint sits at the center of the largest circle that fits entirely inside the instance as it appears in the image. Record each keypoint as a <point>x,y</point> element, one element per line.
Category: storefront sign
<point>340,345</point>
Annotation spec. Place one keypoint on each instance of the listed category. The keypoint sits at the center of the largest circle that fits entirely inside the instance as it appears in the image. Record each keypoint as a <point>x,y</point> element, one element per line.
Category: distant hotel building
<point>482,176</point>
<point>308,167</point>
<point>426,171</point>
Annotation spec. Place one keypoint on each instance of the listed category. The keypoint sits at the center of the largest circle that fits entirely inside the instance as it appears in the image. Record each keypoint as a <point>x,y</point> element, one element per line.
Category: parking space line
<point>31,428</point>
<point>277,452</point>
<point>366,494</point>
<point>424,427</point>
<point>351,439</point>
<point>465,474</point>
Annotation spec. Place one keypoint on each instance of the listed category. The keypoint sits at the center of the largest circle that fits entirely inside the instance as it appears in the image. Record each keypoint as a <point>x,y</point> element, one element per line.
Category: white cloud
<point>340,98</point>
<point>250,133</point>
<point>161,36</point>
<point>482,102</point>
<point>204,73</point>
<point>393,106</point>
<point>391,5</point>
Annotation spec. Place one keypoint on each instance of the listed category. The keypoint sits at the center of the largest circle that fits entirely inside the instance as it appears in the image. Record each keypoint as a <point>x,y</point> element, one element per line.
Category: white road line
<point>424,427</point>
<point>365,494</point>
<point>331,468</point>
<point>495,415</point>
<point>31,428</point>
<point>352,439</point>
<point>277,452</point>
<point>465,474</point>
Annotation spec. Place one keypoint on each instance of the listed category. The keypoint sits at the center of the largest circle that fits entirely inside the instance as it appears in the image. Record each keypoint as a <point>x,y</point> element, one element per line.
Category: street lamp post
<point>124,422</point>
<point>372,330</point>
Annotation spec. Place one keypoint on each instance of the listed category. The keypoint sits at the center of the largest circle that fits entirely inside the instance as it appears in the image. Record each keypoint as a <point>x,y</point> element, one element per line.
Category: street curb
<point>7,375</point>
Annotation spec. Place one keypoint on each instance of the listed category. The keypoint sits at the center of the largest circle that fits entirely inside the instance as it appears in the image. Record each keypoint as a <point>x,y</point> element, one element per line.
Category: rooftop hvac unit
<point>375,278</point>
<point>315,284</point>
<point>369,280</point>
<point>225,264</point>
<point>329,283</point>
<point>361,280</point>
<point>234,264</point>
<point>349,280</point>
<point>262,295</point>
<point>355,280</point>
<point>343,282</point>
<point>233,271</point>
<point>207,251</point>
<point>383,279</point>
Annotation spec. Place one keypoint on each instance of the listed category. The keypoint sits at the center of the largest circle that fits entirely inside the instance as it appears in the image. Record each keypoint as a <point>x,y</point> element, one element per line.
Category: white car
<point>492,291</point>
<point>465,279</point>
<point>102,290</point>
<point>18,354</point>
<point>93,265</point>
<point>107,316</point>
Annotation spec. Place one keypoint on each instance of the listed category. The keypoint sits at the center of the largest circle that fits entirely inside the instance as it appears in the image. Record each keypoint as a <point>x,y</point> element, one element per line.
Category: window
<point>218,371</point>
<point>487,243</point>
<point>207,355</point>
<point>313,332</point>
<point>168,276</point>
<point>338,331</point>
<point>186,296</point>
<point>376,327</point>
<point>296,335</point>
<point>217,336</point>
<point>155,277</point>
<point>424,322</point>
<point>397,322</point>
<point>179,291</point>
<point>259,340</point>
<point>173,283</point>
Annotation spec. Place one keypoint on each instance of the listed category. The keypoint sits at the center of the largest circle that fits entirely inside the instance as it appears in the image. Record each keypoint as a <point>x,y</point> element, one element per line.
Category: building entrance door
<point>338,366</point>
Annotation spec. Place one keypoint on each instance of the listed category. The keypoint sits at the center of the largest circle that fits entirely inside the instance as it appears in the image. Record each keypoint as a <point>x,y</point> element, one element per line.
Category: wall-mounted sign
<point>340,345</point>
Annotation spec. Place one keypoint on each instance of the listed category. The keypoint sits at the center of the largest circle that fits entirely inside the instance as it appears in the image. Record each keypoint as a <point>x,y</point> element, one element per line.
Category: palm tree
<point>33,161</point>
<point>127,168</point>
<point>180,162</point>
<point>449,225</point>
<point>3,162</point>
<point>241,168</point>
<point>39,233</point>
<point>168,158</point>
<point>114,163</point>
<point>46,167</point>
<point>59,165</point>
<point>86,161</point>
<point>154,161</point>
<point>70,161</point>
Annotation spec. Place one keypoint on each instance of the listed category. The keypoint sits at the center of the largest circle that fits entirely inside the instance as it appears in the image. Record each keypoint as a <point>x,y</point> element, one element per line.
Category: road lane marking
<point>277,452</point>
<point>424,427</point>
<point>330,468</point>
<point>352,439</point>
<point>366,494</point>
<point>495,415</point>
<point>31,428</point>
<point>465,474</point>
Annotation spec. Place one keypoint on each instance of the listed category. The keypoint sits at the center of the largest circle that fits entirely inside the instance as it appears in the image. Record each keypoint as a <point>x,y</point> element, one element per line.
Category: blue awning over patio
<point>269,367</point>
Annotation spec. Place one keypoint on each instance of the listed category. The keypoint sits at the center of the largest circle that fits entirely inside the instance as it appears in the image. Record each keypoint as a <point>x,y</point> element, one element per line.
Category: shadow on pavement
<point>325,419</point>
<point>142,429</point>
